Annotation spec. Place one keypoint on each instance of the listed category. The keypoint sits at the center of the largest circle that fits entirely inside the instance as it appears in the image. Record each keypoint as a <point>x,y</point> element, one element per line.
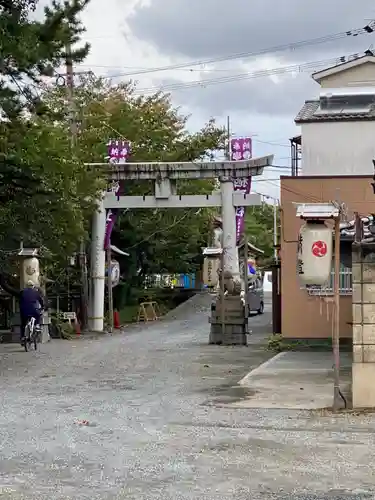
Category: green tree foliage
<point>30,49</point>
<point>160,240</point>
<point>259,227</point>
<point>46,195</point>
<point>45,192</point>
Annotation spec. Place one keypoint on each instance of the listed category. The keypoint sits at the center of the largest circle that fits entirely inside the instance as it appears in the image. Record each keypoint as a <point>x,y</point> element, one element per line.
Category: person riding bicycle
<point>31,305</point>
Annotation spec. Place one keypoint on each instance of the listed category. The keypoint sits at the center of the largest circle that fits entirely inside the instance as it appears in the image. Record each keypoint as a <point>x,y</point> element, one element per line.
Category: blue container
<point>187,281</point>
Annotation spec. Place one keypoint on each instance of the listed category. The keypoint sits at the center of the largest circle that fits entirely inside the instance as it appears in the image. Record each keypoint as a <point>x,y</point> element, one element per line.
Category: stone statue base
<point>228,321</point>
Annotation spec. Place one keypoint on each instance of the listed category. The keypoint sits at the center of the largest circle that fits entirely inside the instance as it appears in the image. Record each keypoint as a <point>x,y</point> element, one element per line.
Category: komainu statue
<point>231,286</point>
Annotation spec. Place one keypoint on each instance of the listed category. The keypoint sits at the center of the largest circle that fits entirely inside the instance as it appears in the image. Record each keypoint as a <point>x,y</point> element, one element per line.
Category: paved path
<point>159,425</point>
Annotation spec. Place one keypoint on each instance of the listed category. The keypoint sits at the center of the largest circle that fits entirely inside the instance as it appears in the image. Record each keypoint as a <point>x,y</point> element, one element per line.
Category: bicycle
<point>31,335</point>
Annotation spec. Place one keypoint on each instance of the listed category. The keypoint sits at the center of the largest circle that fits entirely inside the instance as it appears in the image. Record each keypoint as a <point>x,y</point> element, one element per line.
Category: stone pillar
<point>96,320</point>
<point>363,300</point>
<point>46,320</point>
<point>228,215</point>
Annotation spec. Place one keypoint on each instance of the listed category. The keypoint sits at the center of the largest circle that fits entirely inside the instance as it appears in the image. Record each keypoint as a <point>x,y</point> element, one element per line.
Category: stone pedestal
<point>233,330</point>
<point>363,385</point>
<point>363,375</point>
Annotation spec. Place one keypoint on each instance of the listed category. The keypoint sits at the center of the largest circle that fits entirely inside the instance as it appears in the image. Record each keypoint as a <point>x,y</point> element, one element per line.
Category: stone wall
<point>363,304</point>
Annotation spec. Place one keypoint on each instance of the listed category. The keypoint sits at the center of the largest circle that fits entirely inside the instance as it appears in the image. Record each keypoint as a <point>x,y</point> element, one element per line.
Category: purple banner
<point>240,223</point>
<point>118,152</point>
<point>241,149</point>
<point>110,224</point>
<point>242,185</point>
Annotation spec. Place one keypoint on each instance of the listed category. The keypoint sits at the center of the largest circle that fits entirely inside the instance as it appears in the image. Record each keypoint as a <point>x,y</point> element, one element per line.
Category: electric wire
<point>368,29</point>
<point>294,68</point>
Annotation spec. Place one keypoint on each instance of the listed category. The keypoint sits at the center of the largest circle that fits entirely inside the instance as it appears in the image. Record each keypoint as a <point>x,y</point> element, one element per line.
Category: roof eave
<point>335,119</point>
<point>339,68</point>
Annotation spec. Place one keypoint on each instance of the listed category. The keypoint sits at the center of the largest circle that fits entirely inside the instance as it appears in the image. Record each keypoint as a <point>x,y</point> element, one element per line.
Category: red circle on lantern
<point>319,248</point>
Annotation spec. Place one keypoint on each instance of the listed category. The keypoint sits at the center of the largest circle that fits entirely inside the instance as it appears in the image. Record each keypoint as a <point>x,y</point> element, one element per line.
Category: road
<point>146,415</point>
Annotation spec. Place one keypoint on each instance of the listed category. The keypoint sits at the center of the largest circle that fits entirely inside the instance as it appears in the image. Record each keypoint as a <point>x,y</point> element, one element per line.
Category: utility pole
<point>228,139</point>
<point>337,395</point>
<point>73,135</point>
<point>275,239</point>
<point>70,97</point>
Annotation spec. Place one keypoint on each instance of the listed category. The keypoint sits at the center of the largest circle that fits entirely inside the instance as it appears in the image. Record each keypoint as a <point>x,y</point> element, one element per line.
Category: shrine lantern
<point>315,250</point>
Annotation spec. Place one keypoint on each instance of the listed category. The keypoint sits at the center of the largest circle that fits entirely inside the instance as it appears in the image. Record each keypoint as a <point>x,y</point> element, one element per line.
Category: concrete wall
<point>305,316</point>
<point>338,148</point>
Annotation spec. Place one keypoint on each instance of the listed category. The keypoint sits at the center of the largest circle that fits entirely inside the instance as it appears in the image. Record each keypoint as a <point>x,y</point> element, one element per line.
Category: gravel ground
<point>146,415</point>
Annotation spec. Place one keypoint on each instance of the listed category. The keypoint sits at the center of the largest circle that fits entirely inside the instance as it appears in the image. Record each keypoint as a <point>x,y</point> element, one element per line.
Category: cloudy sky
<point>134,36</point>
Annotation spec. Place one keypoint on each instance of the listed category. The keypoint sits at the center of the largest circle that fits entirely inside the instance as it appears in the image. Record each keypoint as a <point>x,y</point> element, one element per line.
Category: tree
<point>30,49</point>
<point>259,227</point>
<point>160,240</point>
<point>45,193</point>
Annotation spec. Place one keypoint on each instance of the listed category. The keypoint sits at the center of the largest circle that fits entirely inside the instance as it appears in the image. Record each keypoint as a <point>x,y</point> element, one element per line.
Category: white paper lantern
<point>315,249</point>
<point>210,271</point>
<point>115,272</point>
<point>30,271</point>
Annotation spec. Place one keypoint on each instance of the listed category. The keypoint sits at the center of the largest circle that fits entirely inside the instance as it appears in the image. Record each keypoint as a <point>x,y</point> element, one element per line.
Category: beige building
<point>337,149</point>
<point>338,126</point>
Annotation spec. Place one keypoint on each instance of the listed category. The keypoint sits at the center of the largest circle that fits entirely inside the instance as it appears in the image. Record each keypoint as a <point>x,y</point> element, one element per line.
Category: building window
<point>345,284</point>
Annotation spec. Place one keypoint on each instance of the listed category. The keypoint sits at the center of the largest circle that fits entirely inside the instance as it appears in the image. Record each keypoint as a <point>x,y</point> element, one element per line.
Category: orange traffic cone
<point>77,327</point>
<point>116,320</point>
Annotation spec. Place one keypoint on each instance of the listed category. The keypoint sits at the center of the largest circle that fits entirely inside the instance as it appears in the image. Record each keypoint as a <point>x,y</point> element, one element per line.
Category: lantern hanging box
<point>315,251</point>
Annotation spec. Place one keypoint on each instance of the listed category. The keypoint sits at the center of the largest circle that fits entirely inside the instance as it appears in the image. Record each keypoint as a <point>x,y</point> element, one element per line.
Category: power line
<point>314,199</point>
<point>278,48</point>
<point>295,68</point>
<point>272,143</point>
<point>186,70</point>
<point>267,180</point>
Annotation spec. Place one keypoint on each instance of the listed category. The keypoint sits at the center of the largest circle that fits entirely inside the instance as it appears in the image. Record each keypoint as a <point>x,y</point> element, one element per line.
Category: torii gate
<point>165,176</point>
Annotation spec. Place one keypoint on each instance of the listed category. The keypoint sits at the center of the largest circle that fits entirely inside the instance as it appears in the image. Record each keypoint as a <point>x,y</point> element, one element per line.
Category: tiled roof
<point>307,111</point>
<point>306,114</point>
<point>347,229</point>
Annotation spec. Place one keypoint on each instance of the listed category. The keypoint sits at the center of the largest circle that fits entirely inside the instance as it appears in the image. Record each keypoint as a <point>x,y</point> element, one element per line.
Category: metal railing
<point>324,290</point>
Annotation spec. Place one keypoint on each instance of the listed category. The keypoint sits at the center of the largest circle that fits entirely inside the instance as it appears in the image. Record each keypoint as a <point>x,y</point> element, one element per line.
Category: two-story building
<point>337,146</point>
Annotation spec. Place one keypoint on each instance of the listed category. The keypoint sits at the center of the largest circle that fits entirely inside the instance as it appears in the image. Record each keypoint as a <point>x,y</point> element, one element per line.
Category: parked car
<point>255,296</point>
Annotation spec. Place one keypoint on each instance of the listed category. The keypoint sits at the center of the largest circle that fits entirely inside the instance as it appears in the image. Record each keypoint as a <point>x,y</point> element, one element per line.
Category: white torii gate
<point>165,176</point>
